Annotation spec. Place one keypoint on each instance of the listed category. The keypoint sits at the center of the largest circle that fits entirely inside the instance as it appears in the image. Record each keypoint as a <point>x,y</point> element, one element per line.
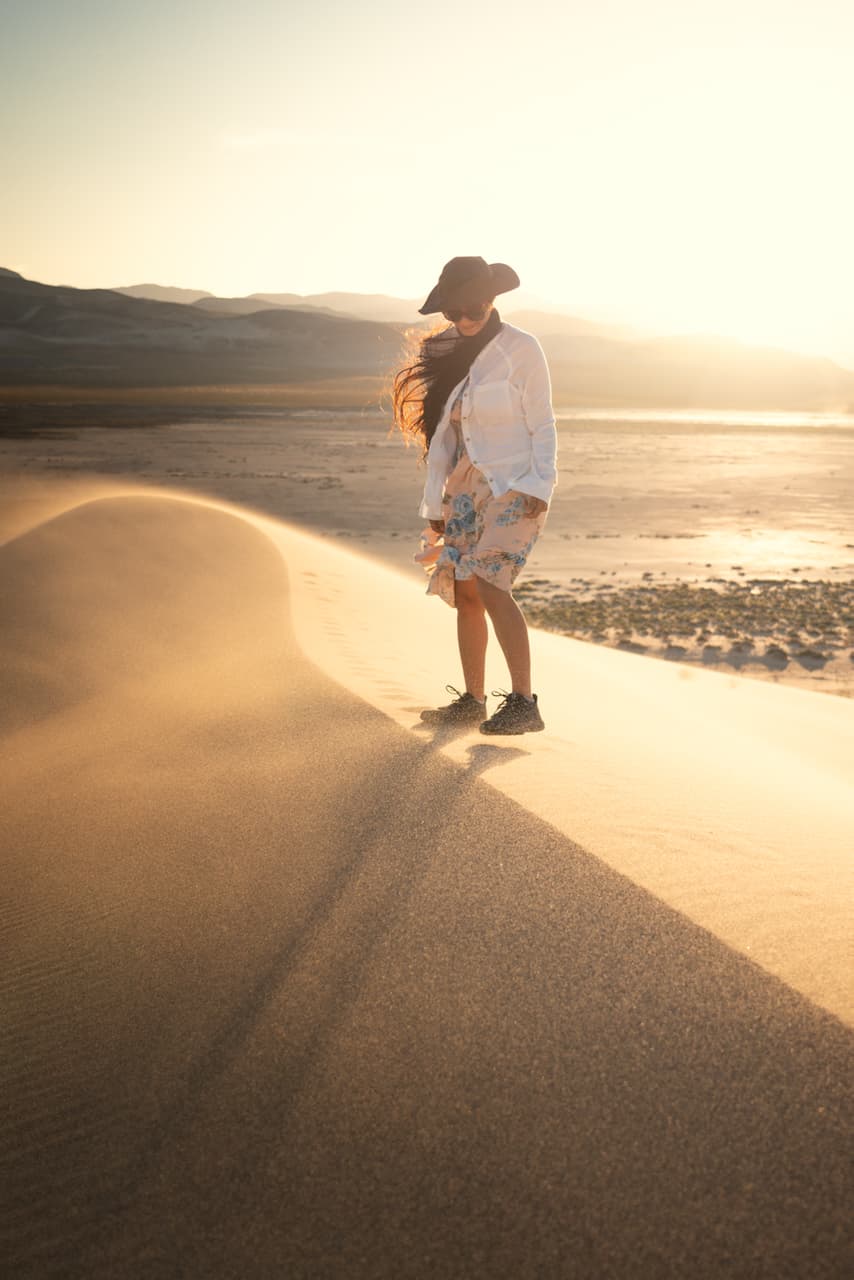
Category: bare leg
<point>472,634</point>
<point>511,630</point>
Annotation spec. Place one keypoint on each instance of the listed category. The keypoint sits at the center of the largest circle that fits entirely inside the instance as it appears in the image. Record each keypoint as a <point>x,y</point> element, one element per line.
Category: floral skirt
<point>484,535</point>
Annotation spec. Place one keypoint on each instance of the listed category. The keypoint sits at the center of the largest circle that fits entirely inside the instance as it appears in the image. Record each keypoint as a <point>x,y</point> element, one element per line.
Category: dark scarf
<point>445,359</point>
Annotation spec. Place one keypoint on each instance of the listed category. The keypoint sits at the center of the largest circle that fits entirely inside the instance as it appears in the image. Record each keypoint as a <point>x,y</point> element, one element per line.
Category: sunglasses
<point>475,311</point>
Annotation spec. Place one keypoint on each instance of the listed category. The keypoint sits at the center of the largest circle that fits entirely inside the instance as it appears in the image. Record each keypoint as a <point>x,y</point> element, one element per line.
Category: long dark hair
<point>420,388</point>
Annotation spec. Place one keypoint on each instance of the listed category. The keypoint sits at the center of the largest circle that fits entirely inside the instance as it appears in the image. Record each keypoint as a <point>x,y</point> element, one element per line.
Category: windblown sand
<point>713,544</point>
<point>295,986</point>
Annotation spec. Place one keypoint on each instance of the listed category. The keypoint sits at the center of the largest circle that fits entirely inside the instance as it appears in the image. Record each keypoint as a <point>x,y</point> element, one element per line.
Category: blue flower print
<point>514,511</point>
<point>452,561</point>
<point>484,535</point>
<point>522,555</point>
<point>463,519</point>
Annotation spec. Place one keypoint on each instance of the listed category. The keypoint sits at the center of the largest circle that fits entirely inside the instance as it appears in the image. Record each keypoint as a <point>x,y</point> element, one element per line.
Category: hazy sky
<point>682,164</point>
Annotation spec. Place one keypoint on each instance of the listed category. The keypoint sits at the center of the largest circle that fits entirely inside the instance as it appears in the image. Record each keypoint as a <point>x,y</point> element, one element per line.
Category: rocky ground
<point>778,625</point>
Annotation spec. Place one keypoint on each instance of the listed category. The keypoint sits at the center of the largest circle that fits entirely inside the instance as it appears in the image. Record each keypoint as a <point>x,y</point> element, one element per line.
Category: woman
<point>478,397</point>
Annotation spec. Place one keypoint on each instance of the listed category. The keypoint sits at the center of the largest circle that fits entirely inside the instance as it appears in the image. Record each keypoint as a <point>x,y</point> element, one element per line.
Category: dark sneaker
<point>514,715</point>
<point>465,709</point>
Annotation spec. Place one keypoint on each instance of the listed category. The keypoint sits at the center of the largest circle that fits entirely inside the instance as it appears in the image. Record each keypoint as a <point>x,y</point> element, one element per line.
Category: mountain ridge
<point>61,335</point>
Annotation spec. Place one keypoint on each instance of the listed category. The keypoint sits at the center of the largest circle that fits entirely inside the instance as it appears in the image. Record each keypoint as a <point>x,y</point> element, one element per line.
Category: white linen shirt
<point>508,423</point>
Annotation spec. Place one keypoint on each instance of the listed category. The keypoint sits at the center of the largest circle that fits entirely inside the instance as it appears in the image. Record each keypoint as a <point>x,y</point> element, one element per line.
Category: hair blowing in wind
<point>421,388</point>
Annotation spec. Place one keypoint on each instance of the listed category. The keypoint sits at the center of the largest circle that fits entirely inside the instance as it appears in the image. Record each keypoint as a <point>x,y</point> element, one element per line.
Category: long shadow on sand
<point>482,753</point>
<point>288,993</point>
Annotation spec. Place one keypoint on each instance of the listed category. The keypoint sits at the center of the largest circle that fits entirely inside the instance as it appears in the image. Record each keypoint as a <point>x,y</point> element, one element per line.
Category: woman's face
<point>468,327</point>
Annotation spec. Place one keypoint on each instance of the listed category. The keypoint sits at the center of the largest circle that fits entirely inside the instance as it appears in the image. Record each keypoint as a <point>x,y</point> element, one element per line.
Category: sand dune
<point>290,989</point>
<point>732,801</point>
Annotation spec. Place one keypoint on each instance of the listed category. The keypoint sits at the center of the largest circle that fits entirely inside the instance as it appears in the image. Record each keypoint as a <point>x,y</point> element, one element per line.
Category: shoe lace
<point>505,700</point>
<point>452,689</point>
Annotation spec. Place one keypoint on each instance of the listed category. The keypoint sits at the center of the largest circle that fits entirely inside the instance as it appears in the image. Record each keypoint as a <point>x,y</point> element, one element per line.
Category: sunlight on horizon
<point>682,172</point>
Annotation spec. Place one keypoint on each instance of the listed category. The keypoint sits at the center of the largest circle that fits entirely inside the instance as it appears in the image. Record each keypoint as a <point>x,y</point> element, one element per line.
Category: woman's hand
<point>438,526</point>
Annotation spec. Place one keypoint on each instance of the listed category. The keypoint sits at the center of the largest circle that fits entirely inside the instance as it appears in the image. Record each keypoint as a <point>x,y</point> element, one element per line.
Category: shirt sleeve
<point>438,465</point>
<point>535,384</point>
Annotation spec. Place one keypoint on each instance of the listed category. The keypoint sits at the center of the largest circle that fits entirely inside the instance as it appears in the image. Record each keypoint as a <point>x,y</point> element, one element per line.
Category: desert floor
<point>716,544</point>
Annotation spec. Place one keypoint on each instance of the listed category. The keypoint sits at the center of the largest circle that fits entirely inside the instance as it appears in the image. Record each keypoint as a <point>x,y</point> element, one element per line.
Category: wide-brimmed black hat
<point>469,280</point>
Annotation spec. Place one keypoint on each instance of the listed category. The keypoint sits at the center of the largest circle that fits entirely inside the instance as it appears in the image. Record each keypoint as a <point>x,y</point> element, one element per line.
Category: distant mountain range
<point>368,306</point>
<point>154,336</point>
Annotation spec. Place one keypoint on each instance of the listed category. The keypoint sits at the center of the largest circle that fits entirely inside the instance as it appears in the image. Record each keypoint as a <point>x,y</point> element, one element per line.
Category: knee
<point>497,602</point>
<point>488,593</point>
<point>467,596</point>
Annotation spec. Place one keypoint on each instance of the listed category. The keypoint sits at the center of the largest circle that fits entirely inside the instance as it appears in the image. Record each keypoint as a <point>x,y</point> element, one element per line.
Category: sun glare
<point>687,211</point>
